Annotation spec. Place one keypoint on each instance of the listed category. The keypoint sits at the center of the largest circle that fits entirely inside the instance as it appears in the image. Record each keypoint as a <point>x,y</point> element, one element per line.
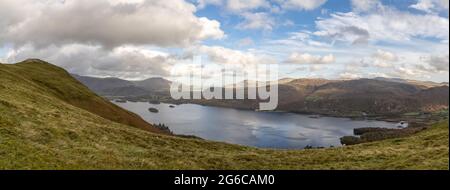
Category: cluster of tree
<point>163,127</point>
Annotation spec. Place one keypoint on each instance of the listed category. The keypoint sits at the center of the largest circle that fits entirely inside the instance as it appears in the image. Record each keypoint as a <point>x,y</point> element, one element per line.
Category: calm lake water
<point>257,129</point>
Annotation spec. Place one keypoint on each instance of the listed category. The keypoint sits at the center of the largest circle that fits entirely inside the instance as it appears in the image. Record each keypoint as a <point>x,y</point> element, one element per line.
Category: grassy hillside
<point>44,79</point>
<point>43,126</point>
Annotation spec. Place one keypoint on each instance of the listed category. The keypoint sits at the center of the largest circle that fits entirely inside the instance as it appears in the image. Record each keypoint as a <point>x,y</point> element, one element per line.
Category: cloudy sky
<point>136,39</point>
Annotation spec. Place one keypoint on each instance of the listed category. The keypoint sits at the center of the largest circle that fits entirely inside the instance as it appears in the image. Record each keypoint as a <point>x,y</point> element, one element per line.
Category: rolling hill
<point>363,96</point>
<point>48,120</point>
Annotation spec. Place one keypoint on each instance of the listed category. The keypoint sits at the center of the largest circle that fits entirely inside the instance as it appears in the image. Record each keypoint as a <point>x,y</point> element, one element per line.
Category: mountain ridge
<point>346,98</point>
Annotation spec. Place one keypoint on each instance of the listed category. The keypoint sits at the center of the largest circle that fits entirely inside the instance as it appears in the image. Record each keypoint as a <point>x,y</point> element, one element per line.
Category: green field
<point>49,121</point>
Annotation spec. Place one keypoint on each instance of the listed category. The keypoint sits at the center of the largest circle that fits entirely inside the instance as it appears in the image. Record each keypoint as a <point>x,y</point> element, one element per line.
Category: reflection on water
<point>258,129</point>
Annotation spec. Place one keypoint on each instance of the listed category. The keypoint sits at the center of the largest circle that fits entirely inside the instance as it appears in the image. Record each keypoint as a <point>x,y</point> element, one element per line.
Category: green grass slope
<point>49,80</point>
<point>43,126</point>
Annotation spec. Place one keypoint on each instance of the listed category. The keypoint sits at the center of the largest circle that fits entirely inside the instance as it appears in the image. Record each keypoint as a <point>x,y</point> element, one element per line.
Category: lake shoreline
<point>273,129</point>
<point>393,118</point>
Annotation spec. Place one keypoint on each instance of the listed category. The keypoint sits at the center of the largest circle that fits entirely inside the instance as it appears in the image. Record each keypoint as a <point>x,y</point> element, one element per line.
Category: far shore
<point>423,118</point>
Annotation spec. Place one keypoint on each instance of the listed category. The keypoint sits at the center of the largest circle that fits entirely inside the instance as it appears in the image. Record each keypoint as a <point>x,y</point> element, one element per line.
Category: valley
<point>378,99</point>
<point>60,124</point>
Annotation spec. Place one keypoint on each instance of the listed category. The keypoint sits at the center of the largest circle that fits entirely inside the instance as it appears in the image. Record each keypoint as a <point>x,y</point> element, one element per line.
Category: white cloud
<point>258,14</point>
<point>222,55</point>
<point>348,76</point>
<point>125,61</point>
<point>302,4</point>
<point>430,6</point>
<point>203,3</point>
<point>300,41</point>
<point>378,74</point>
<point>245,5</point>
<point>385,55</point>
<point>298,58</point>
<point>398,64</point>
<point>405,72</point>
<point>382,64</point>
<point>275,6</point>
<point>103,22</point>
<point>124,39</point>
<point>258,20</point>
<point>364,5</point>
<point>235,6</point>
<point>343,27</point>
<point>423,5</point>
<point>379,26</point>
<point>262,19</point>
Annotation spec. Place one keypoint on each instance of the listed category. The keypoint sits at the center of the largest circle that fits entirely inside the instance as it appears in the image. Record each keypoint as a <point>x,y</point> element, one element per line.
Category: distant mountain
<point>120,87</point>
<point>423,84</point>
<point>101,85</point>
<point>350,98</point>
<point>369,96</point>
<point>379,96</point>
<point>154,84</point>
<point>434,98</point>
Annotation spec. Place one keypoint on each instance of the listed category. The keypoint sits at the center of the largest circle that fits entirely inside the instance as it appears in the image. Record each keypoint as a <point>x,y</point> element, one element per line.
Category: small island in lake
<point>153,110</point>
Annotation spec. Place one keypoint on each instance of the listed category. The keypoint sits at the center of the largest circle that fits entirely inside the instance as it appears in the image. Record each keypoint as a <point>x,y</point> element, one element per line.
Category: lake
<point>258,129</point>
